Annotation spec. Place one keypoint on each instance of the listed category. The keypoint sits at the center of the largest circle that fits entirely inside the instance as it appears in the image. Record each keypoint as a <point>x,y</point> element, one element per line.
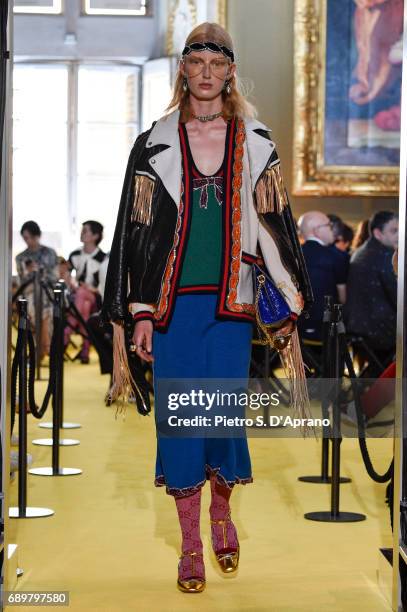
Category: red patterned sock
<point>189,513</point>
<point>224,538</point>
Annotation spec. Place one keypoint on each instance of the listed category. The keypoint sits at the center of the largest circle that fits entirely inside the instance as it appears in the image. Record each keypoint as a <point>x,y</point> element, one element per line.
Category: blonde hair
<point>235,104</point>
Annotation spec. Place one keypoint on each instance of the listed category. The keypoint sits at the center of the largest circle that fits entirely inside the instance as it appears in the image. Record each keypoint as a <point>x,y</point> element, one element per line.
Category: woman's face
<point>206,73</point>
<point>31,241</point>
<point>87,236</point>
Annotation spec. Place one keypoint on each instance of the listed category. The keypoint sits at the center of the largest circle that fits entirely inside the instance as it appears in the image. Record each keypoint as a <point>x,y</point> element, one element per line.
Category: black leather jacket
<point>140,251</point>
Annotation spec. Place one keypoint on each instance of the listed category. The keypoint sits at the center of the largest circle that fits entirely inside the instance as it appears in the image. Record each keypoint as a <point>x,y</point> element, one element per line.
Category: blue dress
<point>197,345</point>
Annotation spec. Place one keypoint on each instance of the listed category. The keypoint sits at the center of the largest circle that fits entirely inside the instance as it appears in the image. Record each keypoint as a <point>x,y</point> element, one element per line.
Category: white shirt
<point>87,265</point>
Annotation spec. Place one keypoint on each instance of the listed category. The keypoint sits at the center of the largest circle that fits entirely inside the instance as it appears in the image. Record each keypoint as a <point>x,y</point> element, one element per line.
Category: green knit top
<point>203,252</point>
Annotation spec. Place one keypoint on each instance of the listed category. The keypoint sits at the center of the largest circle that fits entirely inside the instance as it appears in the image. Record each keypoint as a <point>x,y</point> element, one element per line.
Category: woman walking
<point>203,190</point>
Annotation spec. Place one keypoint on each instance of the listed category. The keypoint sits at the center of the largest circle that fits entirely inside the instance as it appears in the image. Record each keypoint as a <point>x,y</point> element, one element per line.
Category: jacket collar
<point>259,148</point>
<point>167,163</point>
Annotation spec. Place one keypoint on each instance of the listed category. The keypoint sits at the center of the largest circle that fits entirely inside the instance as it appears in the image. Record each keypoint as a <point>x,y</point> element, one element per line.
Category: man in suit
<point>326,268</point>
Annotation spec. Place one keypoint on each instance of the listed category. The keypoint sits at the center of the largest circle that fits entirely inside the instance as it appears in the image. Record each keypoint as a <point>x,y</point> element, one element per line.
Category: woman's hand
<point>143,340</point>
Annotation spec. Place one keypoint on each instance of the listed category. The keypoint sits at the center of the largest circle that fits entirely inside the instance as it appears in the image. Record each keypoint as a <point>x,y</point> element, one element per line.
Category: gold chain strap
<point>262,329</point>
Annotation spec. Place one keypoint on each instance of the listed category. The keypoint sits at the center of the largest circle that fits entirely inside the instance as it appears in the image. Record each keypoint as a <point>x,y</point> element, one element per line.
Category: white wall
<point>134,38</point>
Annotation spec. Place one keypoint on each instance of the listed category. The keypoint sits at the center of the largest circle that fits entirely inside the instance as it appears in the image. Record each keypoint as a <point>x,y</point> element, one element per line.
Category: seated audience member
<point>102,334</point>
<point>42,260</point>
<point>372,288</point>
<point>339,245</point>
<point>326,269</point>
<point>86,262</point>
<point>361,235</point>
<point>344,238</point>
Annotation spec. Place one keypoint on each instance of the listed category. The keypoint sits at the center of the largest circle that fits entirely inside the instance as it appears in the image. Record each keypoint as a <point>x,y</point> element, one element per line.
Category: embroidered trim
<point>271,195</point>
<point>184,492</point>
<point>236,225</point>
<point>169,269</point>
<point>162,312</point>
<point>143,198</point>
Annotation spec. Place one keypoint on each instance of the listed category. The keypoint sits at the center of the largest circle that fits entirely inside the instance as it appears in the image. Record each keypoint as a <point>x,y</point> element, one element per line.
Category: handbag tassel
<point>271,195</point>
<point>143,197</point>
<point>293,365</point>
<point>123,384</point>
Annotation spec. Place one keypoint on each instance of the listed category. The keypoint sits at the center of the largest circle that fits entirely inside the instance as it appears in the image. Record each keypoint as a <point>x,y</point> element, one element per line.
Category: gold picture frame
<point>311,174</point>
<point>221,13</point>
<point>186,12</point>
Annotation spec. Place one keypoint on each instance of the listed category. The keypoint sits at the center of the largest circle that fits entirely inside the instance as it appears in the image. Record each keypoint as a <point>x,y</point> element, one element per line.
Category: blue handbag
<point>272,311</point>
<point>271,306</point>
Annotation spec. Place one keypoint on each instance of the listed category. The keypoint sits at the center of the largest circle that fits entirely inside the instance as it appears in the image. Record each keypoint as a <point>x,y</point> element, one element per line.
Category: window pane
<point>40,151</point>
<point>108,94</point>
<point>108,110</point>
<point>40,93</point>
<point>103,149</point>
<point>37,6</point>
<point>156,89</point>
<point>116,7</point>
<point>98,199</point>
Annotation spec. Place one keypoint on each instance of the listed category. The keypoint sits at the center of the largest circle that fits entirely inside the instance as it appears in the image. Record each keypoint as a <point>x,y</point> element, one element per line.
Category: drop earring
<point>185,85</point>
<point>228,88</point>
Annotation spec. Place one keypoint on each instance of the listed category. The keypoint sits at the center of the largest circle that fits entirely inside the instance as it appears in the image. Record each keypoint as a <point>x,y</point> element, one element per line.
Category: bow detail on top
<point>203,184</point>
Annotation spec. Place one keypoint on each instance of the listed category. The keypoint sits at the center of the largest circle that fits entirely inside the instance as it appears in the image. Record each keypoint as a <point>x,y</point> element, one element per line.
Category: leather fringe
<point>271,195</point>
<point>123,384</point>
<point>143,198</point>
<point>293,364</point>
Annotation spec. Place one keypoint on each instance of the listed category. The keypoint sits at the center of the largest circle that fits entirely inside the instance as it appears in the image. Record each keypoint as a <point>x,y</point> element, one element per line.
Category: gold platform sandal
<point>194,584</point>
<point>228,561</point>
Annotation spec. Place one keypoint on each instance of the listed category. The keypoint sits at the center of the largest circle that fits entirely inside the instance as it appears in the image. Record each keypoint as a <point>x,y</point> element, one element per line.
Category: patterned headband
<point>210,46</point>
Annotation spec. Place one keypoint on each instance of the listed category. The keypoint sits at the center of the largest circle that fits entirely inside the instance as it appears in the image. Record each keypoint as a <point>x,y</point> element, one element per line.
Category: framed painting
<point>347,96</point>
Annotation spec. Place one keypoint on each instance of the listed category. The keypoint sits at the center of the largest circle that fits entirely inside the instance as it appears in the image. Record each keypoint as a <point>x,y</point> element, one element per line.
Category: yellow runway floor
<point>113,541</point>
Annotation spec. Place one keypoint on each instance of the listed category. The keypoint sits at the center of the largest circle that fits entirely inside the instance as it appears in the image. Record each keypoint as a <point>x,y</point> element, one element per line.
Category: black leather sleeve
<point>303,276</point>
<point>283,230</point>
<point>114,306</point>
<point>149,247</point>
